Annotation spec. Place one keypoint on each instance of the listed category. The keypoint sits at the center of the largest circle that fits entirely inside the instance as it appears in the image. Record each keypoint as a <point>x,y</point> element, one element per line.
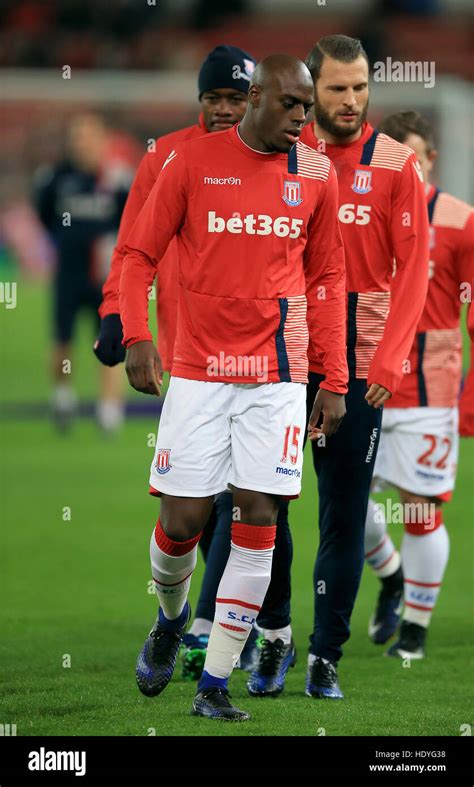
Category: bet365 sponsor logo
<point>260,224</point>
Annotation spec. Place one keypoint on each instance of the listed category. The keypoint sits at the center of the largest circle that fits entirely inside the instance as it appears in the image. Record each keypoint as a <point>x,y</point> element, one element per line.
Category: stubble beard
<point>325,122</point>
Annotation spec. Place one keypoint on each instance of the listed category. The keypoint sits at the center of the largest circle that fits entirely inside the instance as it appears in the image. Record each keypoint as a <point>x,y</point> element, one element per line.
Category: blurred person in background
<point>418,451</point>
<point>80,201</point>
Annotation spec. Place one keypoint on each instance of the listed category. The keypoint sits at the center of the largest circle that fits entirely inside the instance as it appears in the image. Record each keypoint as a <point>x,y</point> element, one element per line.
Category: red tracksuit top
<point>434,375</point>
<point>261,260</point>
<point>167,289</point>
<point>384,226</point>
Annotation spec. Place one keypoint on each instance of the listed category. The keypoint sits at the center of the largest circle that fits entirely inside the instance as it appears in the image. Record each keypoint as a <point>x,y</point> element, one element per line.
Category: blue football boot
<point>322,681</point>
<point>157,659</point>
<point>214,703</point>
<point>274,661</point>
<point>410,643</point>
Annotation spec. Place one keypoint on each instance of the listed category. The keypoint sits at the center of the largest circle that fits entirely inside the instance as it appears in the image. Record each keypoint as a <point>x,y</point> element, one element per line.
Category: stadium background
<point>78,588</point>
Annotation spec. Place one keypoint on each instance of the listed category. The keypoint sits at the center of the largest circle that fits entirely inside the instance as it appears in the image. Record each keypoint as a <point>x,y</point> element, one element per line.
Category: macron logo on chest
<point>222,181</point>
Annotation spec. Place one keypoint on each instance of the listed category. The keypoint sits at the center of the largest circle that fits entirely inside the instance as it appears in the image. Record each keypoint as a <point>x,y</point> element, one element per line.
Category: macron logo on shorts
<point>288,471</point>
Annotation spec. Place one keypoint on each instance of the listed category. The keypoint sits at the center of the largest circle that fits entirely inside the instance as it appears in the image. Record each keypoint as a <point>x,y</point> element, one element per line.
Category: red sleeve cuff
<point>145,337</point>
<point>337,388</point>
<point>387,379</point>
<point>109,306</point>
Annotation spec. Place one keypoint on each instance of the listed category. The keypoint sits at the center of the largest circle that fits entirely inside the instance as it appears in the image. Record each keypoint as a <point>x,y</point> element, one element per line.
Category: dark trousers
<point>344,468</point>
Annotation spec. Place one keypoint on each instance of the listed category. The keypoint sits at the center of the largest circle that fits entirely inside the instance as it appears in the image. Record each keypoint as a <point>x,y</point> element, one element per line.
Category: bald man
<point>261,261</point>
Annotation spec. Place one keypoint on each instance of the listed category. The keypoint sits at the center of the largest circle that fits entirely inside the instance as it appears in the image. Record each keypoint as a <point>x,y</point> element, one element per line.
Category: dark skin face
<point>280,97</point>
<point>223,108</point>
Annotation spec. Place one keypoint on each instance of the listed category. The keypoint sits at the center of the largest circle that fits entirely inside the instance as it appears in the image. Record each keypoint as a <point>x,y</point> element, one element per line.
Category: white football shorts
<point>418,451</point>
<point>213,434</point>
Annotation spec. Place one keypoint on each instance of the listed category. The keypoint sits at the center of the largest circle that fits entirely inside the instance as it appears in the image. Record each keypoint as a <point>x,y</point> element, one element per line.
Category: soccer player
<point>382,215</point>
<point>223,83</point>
<point>261,270</point>
<point>418,450</point>
<point>80,202</point>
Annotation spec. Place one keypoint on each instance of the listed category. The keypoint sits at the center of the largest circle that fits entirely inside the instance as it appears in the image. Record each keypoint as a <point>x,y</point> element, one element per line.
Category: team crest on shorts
<point>362,181</point>
<point>162,463</point>
<point>292,193</point>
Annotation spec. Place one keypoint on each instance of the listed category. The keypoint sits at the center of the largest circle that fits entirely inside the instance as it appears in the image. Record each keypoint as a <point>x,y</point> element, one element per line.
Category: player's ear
<point>255,91</point>
<point>432,156</point>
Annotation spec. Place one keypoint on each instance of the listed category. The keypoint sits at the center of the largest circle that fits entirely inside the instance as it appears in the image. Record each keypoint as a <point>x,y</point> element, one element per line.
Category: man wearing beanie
<point>223,84</point>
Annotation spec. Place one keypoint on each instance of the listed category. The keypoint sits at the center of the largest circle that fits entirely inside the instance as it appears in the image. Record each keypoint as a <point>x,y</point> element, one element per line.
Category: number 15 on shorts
<point>290,444</point>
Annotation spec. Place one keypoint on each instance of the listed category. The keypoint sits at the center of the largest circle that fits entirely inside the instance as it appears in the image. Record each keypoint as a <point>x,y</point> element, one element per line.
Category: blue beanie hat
<point>226,66</point>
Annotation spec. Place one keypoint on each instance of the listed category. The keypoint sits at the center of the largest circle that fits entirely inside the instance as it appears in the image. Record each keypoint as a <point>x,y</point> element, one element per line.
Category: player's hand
<point>333,408</point>
<point>108,346</point>
<point>377,395</point>
<point>144,369</point>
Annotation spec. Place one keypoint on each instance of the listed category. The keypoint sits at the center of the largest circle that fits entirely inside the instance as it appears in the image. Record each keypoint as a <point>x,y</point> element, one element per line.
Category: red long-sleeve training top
<point>384,225</point>
<point>261,261</point>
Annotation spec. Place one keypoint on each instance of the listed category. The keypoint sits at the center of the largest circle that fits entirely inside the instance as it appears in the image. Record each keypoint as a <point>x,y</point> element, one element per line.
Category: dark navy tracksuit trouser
<point>344,468</point>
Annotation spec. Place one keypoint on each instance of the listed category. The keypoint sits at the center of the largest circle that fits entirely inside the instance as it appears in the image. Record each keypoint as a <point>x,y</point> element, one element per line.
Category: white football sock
<point>312,658</point>
<point>424,560</point>
<point>200,627</point>
<point>273,634</point>
<point>380,552</point>
<point>172,564</point>
<point>240,596</point>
